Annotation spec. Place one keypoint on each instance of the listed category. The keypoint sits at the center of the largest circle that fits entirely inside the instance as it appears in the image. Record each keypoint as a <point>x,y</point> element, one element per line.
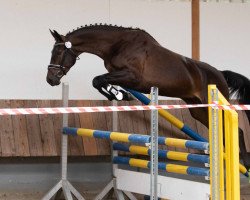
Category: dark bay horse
<point>135,60</point>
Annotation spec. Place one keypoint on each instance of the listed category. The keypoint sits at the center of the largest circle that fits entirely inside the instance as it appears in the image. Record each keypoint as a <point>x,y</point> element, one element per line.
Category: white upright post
<point>118,193</point>
<point>214,145</point>
<point>154,146</point>
<point>113,183</point>
<point>64,184</point>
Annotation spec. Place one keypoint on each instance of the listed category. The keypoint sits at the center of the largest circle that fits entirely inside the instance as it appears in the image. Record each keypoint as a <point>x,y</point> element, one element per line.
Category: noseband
<point>61,69</point>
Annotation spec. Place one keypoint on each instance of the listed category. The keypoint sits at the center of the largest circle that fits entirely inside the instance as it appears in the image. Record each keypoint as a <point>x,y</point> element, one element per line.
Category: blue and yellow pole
<point>173,155</point>
<point>138,138</point>
<point>115,136</point>
<point>180,169</point>
<point>169,117</point>
<point>183,143</point>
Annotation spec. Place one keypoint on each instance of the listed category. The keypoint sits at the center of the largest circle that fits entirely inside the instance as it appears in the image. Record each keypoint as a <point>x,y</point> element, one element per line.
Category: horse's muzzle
<point>53,81</point>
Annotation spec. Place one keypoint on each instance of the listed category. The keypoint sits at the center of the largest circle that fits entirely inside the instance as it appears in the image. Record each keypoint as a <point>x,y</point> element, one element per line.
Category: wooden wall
<point>40,135</point>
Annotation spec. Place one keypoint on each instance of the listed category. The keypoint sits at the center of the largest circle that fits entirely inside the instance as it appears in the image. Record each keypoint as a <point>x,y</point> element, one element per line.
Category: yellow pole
<point>231,152</point>
<point>227,154</point>
<point>223,101</point>
<point>235,156</point>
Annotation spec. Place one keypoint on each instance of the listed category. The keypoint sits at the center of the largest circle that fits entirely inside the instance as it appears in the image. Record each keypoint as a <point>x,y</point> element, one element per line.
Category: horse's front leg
<point>104,84</point>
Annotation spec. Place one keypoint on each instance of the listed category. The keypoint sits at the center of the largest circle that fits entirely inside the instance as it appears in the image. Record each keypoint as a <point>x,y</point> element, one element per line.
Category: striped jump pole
<point>181,143</point>
<point>114,136</point>
<point>138,138</point>
<point>173,155</point>
<point>179,169</point>
<point>169,117</point>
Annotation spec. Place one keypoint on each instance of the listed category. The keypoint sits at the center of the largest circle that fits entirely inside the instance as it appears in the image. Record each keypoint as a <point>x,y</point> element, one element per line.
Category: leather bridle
<point>62,69</point>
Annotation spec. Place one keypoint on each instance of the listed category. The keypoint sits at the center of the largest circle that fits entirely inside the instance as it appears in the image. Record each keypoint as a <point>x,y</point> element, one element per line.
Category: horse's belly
<point>171,83</point>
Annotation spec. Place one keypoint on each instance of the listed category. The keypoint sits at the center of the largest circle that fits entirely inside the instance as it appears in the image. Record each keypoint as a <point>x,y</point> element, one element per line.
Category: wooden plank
<point>34,131</point>
<point>86,121</point>
<point>109,119</point>
<point>75,142</point>
<point>79,140</point>
<point>202,129</point>
<point>20,130</point>
<point>125,119</point>
<point>47,131</point>
<point>109,115</point>
<point>57,122</point>
<point>138,119</point>
<point>25,131</point>
<point>6,132</point>
<point>196,29</point>
<point>100,123</point>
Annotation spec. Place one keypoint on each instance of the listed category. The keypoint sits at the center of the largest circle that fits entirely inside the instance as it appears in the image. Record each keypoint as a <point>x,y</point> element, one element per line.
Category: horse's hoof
<point>246,160</point>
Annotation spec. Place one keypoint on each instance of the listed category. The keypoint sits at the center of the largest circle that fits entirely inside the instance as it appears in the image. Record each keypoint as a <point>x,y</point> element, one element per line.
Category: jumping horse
<point>135,60</point>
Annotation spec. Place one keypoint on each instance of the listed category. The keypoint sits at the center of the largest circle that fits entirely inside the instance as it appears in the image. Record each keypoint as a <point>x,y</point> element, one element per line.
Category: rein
<point>60,67</point>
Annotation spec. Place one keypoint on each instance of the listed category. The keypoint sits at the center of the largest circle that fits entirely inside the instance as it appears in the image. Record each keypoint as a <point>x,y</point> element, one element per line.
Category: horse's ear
<point>56,35</point>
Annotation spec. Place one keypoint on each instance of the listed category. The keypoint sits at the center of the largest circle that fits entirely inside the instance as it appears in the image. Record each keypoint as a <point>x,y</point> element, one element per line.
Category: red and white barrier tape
<point>57,110</point>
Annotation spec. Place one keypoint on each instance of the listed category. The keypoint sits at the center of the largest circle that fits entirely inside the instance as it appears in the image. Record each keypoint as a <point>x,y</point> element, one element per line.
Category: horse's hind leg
<point>244,154</point>
<point>200,114</point>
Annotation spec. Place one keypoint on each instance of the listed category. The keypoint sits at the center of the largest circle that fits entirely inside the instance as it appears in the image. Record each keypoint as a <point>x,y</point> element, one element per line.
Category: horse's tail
<point>239,86</point>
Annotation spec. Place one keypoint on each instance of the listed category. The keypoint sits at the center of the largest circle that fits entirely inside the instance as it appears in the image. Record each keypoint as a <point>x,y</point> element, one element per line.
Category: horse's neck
<point>96,42</point>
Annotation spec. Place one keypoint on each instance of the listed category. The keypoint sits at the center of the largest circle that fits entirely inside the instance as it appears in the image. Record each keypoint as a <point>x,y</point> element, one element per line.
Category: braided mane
<point>102,27</point>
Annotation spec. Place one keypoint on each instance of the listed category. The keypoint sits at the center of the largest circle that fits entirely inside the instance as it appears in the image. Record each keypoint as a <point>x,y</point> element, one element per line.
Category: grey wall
<point>26,43</point>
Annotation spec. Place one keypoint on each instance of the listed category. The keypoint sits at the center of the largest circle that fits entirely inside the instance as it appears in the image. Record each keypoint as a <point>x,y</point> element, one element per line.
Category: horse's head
<point>63,58</point>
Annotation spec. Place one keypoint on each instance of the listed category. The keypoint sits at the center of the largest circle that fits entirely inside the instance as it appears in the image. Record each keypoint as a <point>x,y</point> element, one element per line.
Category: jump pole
<point>64,184</point>
<point>173,168</point>
<point>134,137</point>
<point>172,155</point>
